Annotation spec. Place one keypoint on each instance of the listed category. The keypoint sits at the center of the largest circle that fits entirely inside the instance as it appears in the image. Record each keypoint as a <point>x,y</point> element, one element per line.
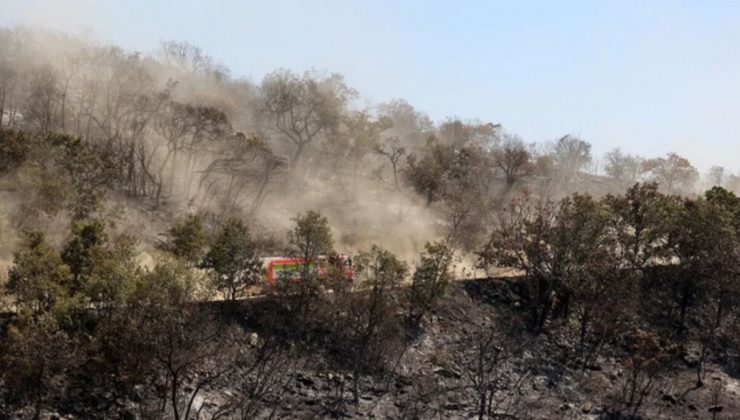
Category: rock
<point>453,406</point>
<point>692,355</point>
<point>566,407</point>
<point>692,407</point>
<point>587,407</point>
<point>716,409</point>
<point>129,412</point>
<point>670,398</point>
<point>306,381</point>
<point>403,381</point>
<point>307,393</point>
<point>447,373</point>
<point>128,415</point>
<point>254,339</point>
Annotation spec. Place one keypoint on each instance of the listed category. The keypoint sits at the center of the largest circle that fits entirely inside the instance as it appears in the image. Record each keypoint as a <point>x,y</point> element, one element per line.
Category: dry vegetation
<point>135,189</point>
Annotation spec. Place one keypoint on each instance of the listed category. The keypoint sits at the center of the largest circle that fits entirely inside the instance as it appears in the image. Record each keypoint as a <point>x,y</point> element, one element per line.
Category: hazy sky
<point>648,76</point>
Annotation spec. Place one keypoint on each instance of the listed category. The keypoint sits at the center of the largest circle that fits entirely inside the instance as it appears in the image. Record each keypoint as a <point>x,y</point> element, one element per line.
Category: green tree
<point>591,266</point>
<point>643,219</point>
<point>36,358</point>
<point>38,278</point>
<point>522,240</point>
<point>233,260</point>
<point>14,149</point>
<point>82,250</point>
<point>460,179</point>
<point>172,337</point>
<point>90,171</point>
<point>101,266</point>
<point>567,251</point>
<point>430,280</point>
<point>309,238</point>
<point>187,239</point>
<point>707,251</point>
<point>368,321</point>
<point>426,173</point>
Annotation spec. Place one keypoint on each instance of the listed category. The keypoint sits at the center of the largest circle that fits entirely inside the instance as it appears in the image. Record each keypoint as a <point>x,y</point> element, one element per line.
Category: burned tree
<point>243,169</point>
<point>368,321</point>
<point>302,108</point>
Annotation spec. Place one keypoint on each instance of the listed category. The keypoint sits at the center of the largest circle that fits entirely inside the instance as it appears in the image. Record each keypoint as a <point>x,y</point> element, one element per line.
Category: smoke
<point>370,215</point>
<point>88,79</point>
<point>199,142</point>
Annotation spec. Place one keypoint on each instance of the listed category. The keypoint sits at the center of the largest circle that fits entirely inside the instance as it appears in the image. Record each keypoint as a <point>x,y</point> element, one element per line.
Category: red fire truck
<point>282,269</point>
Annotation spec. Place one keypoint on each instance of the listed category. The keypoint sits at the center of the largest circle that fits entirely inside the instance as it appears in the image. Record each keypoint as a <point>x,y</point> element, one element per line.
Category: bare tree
<point>716,176</point>
<point>41,111</point>
<point>243,169</point>
<point>8,78</point>
<point>124,112</point>
<point>571,154</point>
<point>264,375</point>
<point>674,173</point>
<point>410,126</point>
<point>350,144</point>
<point>647,360</point>
<point>513,158</point>
<point>303,108</point>
<point>459,134</point>
<point>10,46</point>
<point>191,58</point>
<point>488,372</point>
<point>394,152</point>
<point>624,168</point>
<point>189,128</point>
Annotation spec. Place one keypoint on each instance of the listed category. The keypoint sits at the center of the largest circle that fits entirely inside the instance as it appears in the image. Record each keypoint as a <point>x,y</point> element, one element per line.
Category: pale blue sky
<point>648,76</point>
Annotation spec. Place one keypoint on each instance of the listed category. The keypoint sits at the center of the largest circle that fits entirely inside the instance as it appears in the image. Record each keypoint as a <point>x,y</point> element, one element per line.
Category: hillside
<point>538,376</point>
<point>139,194</point>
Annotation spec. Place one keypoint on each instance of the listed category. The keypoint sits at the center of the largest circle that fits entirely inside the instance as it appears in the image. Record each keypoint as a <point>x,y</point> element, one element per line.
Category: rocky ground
<point>433,379</point>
